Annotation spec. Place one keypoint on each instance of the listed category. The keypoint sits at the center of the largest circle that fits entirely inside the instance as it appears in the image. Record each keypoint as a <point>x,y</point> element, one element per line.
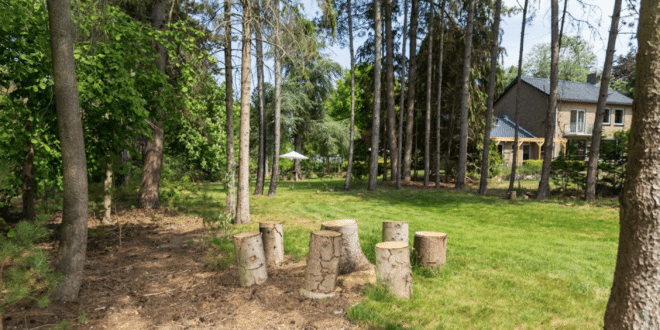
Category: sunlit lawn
<point>510,264</point>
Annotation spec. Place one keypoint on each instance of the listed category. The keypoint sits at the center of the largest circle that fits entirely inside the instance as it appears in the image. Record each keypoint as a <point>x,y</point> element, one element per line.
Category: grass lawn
<point>517,264</point>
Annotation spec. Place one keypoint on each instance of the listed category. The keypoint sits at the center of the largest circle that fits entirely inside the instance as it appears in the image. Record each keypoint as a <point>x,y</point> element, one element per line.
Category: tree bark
<point>322,264</point>
<point>391,114</point>
<point>277,106</point>
<point>261,154</point>
<point>73,244</point>
<point>402,96</point>
<point>431,248</point>
<point>635,294</point>
<point>393,268</point>
<point>243,198</point>
<point>107,193</point>
<point>412,81</point>
<point>465,99</point>
<point>395,231</point>
<point>352,257</point>
<point>438,120</point>
<point>230,205</point>
<point>551,117</point>
<point>272,235</point>
<point>375,120</point>
<point>594,152</point>
<point>351,146</point>
<point>429,80</point>
<point>29,212</point>
<point>483,182</point>
<point>250,258</point>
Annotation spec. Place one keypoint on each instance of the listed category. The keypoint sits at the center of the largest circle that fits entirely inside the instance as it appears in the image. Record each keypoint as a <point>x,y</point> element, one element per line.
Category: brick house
<point>576,111</point>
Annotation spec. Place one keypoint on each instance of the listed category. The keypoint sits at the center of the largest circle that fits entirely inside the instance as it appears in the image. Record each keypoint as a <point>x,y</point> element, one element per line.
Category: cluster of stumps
<point>335,250</point>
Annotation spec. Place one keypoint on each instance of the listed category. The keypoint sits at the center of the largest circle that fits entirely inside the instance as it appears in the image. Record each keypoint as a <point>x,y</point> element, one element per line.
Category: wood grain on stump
<point>352,258</point>
<point>250,258</point>
<point>393,268</point>
<point>272,235</point>
<point>322,264</point>
<point>431,248</point>
<point>395,231</point>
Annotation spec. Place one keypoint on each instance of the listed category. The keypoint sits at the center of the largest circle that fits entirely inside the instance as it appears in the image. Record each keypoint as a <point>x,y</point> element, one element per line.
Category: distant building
<point>576,111</point>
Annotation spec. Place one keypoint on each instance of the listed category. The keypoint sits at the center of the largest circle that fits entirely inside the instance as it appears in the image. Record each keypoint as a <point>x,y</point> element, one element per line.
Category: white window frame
<point>606,118</point>
<point>623,117</point>
<point>583,123</point>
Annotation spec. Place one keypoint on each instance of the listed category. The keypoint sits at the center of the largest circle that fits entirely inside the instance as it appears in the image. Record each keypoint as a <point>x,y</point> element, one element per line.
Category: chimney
<point>593,78</point>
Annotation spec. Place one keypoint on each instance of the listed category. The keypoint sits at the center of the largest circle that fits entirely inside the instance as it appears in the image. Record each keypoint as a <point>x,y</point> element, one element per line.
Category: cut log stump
<point>393,268</point>
<point>395,231</point>
<point>431,248</point>
<point>272,235</point>
<point>250,258</point>
<point>352,258</point>
<point>322,264</point>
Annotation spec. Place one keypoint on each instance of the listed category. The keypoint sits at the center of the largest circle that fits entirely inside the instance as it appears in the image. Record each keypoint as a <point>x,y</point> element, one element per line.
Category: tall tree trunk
<point>483,182</point>
<point>465,99</point>
<point>243,198</point>
<point>349,167</point>
<point>635,293</point>
<point>261,157</point>
<point>551,117</point>
<point>594,152</point>
<point>73,231</point>
<point>391,114</point>
<point>438,120</point>
<point>514,164</point>
<point>277,112</point>
<point>450,141</point>
<point>402,96</point>
<point>230,205</point>
<point>153,152</point>
<point>412,81</point>
<point>107,192</point>
<point>375,128</point>
<point>29,212</point>
<point>429,80</point>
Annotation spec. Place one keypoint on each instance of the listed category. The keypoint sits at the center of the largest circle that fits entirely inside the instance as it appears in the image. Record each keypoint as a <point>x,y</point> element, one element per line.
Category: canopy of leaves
<point>576,60</point>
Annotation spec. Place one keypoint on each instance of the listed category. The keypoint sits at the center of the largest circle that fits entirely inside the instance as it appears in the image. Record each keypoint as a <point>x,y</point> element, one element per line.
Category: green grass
<point>518,264</point>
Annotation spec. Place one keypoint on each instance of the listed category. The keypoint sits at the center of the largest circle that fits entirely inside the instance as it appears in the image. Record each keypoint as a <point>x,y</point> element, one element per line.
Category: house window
<point>606,117</point>
<point>500,149</point>
<point>618,116</point>
<point>577,121</point>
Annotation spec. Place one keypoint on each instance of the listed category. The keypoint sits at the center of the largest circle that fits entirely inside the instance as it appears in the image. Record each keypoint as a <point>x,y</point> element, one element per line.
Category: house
<point>576,111</point>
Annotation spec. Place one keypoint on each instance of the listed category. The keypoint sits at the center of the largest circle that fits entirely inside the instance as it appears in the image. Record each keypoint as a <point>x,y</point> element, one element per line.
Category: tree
<point>438,122</point>
<point>375,127</point>
<point>483,182</point>
<point>261,156</point>
<point>402,78</point>
<point>429,81</point>
<point>73,244</point>
<point>633,302</point>
<point>391,114</point>
<point>592,168</point>
<point>272,189</point>
<point>349,168</point>
<point>465,99</point>
<point>230,204</point>
<point>412,82</point>
<point>551,116</point>
<point>243,197</point>
<point>576,60</point>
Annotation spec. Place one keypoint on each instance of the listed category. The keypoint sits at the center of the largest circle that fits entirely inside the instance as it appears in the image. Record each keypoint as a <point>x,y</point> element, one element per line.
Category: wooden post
<point>352,258</point>
<point>395,231</point>
<point>250,258</point>
<point>322,264</point>
<point>431,248</point>
<point>272,235</point>
<point>393,268</point>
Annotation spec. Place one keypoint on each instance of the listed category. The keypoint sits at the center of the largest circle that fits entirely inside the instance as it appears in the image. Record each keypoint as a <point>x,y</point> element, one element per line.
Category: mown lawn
<point>510,264</point>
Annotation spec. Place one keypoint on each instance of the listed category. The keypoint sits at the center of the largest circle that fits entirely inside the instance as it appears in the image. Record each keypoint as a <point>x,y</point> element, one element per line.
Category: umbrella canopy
<point>293,155</point>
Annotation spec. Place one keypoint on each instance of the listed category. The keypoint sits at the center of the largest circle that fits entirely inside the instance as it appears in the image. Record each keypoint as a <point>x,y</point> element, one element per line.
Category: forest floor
<point>153,275</point>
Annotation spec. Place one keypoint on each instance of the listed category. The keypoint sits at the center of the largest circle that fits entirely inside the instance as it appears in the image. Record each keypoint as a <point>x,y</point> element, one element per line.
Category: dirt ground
<point>156,278</point>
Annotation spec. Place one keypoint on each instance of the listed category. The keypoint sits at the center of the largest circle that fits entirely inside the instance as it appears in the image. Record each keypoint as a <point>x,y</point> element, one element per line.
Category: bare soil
<point>153,275</point>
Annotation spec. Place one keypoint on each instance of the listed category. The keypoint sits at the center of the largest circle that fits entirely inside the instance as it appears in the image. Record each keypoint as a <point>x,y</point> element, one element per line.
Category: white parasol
<point>293,155</point>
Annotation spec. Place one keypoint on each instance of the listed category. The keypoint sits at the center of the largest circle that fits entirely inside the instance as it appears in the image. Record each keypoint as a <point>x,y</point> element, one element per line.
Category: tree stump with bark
<point>250,258</point>
<point>395,231</point>
<point>272,235</point>
<point>325,249</point>
<point>431,248</point>
<point>393,268</point>
<point>352,258</point>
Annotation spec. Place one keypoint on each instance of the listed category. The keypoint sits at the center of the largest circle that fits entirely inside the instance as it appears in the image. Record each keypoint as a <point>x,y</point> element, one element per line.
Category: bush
<point>566,172</point>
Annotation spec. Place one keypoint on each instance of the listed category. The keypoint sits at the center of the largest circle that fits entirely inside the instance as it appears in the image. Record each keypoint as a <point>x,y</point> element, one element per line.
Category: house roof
<point>573,91</point>
<point>503,127</point>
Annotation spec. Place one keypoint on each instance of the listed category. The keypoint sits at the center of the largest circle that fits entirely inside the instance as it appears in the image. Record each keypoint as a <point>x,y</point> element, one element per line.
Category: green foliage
<point>495,159</point>
<point>576,60</point>
<point>530,167</point>
<point>24,270</point>
<point>567,173</point>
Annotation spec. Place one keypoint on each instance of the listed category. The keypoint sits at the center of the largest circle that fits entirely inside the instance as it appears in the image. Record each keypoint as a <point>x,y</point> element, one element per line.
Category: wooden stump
<point>352,258</point>
<point>322,264</point>
<point>272,235</point>
<point>250,258</point>
<point>431,248</point>
<point>511,195</point>
<point>395,231</point>
<point>393,268</point>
